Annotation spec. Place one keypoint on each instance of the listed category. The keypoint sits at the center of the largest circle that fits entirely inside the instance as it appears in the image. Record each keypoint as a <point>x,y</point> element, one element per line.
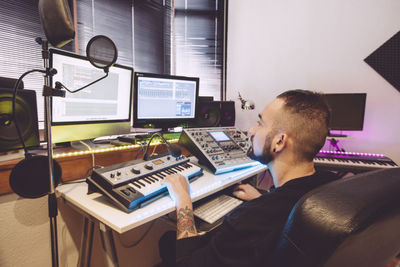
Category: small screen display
<point>220,136</point>
<point>157,162</point>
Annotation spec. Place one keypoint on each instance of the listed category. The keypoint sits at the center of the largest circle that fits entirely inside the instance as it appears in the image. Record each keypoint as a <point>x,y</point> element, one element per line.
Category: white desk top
<point>99,207</point>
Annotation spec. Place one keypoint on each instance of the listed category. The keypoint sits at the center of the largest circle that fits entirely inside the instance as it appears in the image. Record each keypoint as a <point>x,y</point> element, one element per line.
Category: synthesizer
<point>222,149</point>
<point>352,161</point>
<point>133,184</point>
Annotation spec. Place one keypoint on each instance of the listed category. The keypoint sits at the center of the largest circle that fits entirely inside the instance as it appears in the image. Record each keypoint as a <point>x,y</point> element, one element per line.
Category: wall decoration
<point>386,60</point>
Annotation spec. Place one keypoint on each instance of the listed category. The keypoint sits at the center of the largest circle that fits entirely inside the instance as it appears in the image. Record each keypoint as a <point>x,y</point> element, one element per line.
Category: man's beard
<point>266,156</point>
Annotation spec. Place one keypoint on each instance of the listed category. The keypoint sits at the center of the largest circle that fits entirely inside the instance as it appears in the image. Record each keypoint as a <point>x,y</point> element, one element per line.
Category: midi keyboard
<point>133,184</point>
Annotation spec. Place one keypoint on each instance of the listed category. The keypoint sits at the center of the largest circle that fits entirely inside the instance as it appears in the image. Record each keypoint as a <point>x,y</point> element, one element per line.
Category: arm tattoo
<point>185,223</point>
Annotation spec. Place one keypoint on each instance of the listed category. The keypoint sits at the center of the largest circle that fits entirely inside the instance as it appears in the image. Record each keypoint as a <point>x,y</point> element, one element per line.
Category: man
<point>289,133</point>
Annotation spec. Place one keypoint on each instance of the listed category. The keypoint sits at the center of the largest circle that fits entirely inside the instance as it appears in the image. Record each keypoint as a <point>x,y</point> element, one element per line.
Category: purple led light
<point>352,153</point>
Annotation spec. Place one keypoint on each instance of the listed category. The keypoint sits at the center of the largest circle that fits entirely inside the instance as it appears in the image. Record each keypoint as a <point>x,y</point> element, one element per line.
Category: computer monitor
<point>164,101</point>
<point>101,109</point>
<point>347,111</point>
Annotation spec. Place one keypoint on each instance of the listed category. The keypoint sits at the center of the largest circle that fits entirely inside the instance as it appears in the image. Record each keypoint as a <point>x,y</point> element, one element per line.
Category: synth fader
<point>222,149</point>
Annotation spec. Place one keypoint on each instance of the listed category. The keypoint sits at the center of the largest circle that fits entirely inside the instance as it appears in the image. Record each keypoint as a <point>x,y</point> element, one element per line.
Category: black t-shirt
<point>249,234</point>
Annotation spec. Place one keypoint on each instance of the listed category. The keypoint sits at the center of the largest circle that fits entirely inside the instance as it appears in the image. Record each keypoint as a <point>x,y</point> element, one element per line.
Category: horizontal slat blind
<point>181,37</point>
<point>199,43</point>
<point>149,36</point>
<point>19,26</point>
<point>112,18</point>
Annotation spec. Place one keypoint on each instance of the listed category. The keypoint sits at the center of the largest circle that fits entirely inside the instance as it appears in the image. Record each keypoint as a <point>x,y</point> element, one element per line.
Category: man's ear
<point>280,142</point>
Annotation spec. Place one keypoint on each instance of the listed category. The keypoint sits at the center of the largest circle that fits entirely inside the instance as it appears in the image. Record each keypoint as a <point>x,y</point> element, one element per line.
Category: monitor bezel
<point>64,131</point>
<point>70,54</point>
<point>362,96</point>
<point>158,122</point>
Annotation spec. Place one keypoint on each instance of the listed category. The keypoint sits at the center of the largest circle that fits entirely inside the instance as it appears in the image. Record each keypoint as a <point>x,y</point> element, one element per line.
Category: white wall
<point>274,46</point>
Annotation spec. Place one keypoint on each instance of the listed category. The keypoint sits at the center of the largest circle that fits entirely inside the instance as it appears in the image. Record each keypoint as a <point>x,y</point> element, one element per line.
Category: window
<point>198,43</point>
<point>178,37</point>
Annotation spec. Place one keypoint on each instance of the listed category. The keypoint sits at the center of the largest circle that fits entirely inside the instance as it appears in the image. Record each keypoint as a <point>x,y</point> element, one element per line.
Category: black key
<point>158,175</point>
<point>136,184</point>
<point>172,170</point>
<point>139,182</point>
<point>126,192</point>
<point>175,169</point>
<point>179,168</point>
<point>153,177</point>
<point>132,189</point>
<point>147,180</point>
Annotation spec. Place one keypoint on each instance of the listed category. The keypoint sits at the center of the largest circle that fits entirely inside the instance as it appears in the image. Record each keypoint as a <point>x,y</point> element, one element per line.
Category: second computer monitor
<point>164,101</point>
<point>347,111</point>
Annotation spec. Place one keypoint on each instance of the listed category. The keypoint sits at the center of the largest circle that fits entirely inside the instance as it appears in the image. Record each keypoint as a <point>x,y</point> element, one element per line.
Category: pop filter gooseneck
<point>102,53</point>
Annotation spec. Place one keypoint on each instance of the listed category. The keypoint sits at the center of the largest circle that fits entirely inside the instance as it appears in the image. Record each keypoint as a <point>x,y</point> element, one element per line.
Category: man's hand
<point>245,192</point>
<point>178,188</point>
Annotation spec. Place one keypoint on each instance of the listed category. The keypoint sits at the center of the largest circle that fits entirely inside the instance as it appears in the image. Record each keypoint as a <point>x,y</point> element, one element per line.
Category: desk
<point>96,208</point>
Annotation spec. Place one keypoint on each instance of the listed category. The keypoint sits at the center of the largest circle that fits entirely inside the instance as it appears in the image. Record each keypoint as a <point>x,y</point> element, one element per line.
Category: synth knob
<point>112,175</point>
<point>118,173</point>
<point>149,166</point>
<point>135,170</point>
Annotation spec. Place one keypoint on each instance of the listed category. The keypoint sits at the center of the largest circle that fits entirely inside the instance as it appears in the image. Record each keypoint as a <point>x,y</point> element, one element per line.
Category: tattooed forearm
<point>185,223</point>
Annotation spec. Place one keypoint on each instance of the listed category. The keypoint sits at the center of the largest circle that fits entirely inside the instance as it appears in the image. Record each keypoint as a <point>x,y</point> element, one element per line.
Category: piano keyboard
<point>134,184</point>
<point>352,161</point>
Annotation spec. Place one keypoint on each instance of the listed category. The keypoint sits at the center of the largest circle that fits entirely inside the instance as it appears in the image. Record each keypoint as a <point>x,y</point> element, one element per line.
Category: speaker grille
<point>26,114</point>
<point>215,114</point>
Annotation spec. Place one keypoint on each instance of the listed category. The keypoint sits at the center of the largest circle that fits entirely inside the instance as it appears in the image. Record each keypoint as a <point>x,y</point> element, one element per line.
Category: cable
<point>154,149</point>
<point>140,238</point>
<point>173,149</point>
<point>14,118</point>
<point>81,180</point>
<point>91,152</point>
<point>142,146</point>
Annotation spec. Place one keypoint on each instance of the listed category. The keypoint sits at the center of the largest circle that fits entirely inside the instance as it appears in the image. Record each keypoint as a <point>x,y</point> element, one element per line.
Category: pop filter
<point>56,21</point>
<point>101,52</point>
<point>30,177</point>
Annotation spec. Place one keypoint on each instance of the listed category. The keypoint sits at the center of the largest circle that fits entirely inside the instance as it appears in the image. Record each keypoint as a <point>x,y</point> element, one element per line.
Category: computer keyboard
<point>216,208</point>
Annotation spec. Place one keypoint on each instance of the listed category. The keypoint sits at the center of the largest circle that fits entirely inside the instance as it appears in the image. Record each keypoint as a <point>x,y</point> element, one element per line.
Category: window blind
<point>179,37</point>
<point>198,27</point>
<point>19,26</point>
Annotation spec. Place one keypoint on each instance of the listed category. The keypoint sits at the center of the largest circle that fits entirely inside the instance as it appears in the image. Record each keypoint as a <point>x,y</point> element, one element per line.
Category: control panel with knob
<point>125,172</point>
<point>222,149</point>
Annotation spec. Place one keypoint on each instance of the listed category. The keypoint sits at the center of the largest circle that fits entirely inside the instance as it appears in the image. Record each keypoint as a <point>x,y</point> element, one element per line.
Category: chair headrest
<point>328,220</point>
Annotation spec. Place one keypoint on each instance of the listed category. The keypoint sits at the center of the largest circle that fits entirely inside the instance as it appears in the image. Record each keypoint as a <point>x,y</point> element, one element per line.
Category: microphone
<point>56,21</point>
<point>173,149</point>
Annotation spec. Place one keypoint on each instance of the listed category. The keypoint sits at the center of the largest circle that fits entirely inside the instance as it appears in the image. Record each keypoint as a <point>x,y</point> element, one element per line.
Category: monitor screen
<point>101,109</point>
<point>347,111</point>
<point>164,101</point>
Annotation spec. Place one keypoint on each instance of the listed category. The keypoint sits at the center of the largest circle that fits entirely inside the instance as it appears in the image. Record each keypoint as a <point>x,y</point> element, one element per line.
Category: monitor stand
<point>79,146</point>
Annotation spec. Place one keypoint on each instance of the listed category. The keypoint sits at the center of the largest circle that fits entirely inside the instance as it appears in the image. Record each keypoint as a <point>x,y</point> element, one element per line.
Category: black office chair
<point>350,222</point>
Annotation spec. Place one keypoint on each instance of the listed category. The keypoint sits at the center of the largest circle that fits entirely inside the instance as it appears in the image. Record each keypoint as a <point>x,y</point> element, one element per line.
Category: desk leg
<point>86,243</point>
<point>107,242</point>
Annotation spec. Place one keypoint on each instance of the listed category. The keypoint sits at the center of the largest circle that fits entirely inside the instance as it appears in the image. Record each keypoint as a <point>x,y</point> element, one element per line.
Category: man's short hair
<point>306,120</point>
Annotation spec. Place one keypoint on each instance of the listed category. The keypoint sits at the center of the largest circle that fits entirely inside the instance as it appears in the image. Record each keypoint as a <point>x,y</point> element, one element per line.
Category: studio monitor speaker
<point>26,114</point>
<point>215,114</point>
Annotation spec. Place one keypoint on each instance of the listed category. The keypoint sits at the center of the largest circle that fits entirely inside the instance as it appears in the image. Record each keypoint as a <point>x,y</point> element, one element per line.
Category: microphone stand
<point>48,92</point>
